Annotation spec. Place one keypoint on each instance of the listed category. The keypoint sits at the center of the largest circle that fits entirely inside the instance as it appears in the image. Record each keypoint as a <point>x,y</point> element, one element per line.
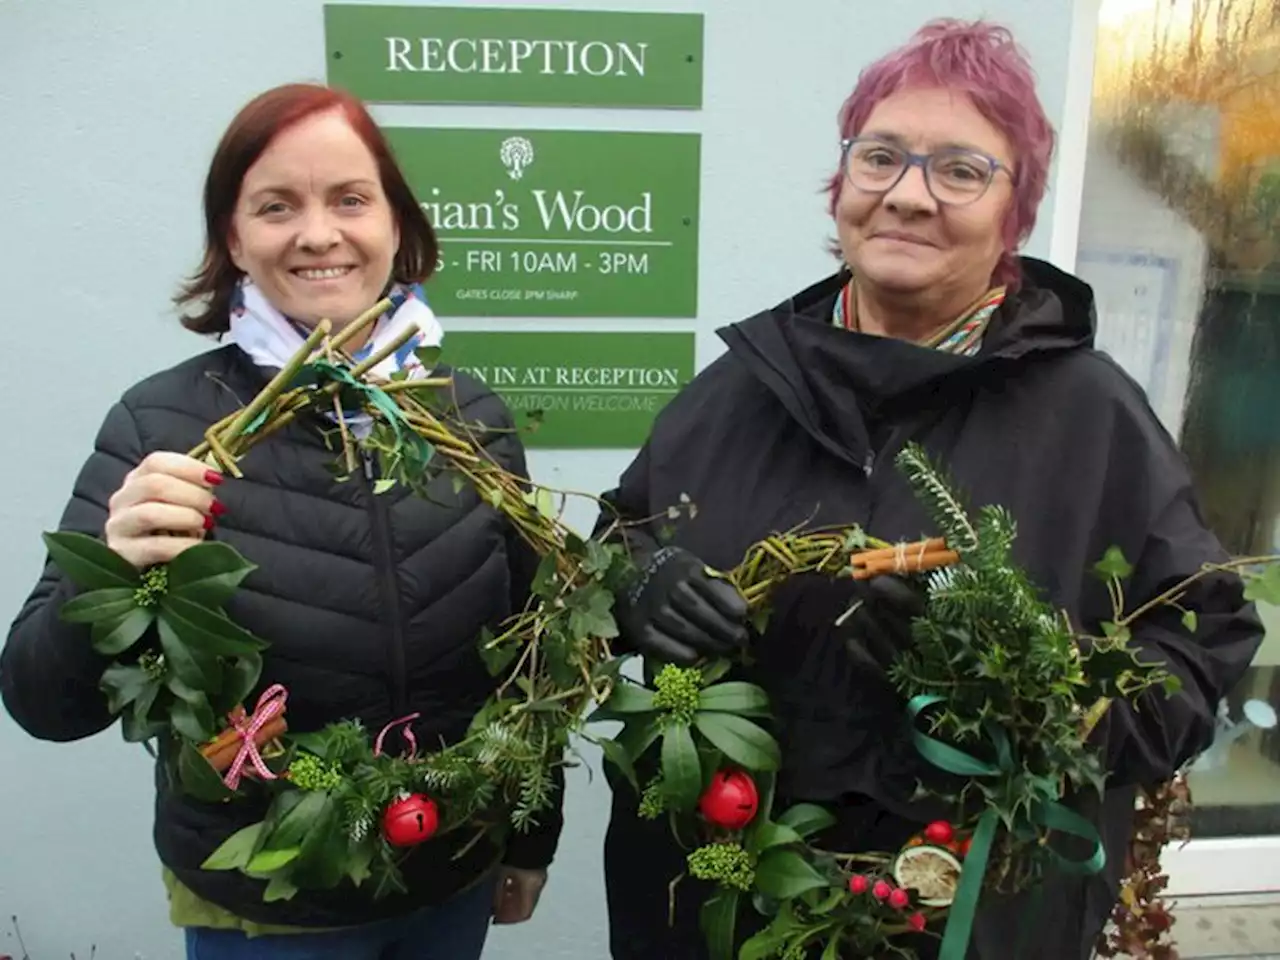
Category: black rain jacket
<point>798,423</point>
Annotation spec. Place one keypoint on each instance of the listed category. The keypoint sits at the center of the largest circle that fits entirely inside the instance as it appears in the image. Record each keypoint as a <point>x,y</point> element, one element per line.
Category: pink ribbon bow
<point>407,733</point>
<point>270,704</point>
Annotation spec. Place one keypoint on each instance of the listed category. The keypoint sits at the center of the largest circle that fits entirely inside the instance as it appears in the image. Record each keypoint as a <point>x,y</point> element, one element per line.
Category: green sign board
<point>559,223</point>
<point>423,54</point>
<point>579,389</point>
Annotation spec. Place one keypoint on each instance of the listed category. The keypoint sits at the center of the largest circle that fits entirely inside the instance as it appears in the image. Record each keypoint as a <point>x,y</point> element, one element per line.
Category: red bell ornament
<point>730,800</point>
<point>410,820</point>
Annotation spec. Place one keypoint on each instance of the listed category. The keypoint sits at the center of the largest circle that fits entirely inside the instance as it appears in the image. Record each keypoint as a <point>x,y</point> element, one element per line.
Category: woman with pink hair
<point>935,331</point>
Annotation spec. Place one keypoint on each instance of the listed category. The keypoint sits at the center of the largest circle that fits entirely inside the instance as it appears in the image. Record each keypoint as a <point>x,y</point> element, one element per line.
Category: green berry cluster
<point>678,690</point>
<point>155,584</point>
<point>309,772</point>
<point>153,664</point>
<point>726,863</point>
<point>653,802</point>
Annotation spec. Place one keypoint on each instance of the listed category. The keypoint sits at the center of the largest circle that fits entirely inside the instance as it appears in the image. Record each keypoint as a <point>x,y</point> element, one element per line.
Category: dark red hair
<point>257,124</point>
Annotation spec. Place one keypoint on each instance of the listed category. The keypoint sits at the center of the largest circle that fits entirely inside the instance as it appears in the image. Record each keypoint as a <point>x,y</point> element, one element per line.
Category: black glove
<point>877,625</point>
<point>677,612</point>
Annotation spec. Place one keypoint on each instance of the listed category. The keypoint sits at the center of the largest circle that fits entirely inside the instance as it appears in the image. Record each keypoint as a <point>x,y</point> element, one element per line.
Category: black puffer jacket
<point>799,424</point>
<point>372,606</point>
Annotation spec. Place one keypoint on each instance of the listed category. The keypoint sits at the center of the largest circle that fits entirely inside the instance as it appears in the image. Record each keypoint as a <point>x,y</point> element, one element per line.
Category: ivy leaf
<point>546,578</point>
<point>784,874</point>
<point>718,917</point>
<point>109,603</point>
<point>807,819</point>
<point>745,699</point>
<point>208,573</point>
<point>591,614</point>
<point>428,356</point>
<point>599,559</point>
<point>681,768</point>
<point>496,657</point>
<point>1113,565</point>
<point>1189,621</point>
<point>207,630</point>
<point>358,863</point>
<point>742,741</point>
<point>234,852</point>
<point>123,683</point>
<point>88,562</point>
<point>1264,587</point>
<point>112,637</point>
<point>198,777</point>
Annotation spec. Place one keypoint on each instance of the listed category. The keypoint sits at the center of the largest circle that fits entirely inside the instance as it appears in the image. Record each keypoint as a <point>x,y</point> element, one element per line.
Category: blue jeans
<point>453,930</point>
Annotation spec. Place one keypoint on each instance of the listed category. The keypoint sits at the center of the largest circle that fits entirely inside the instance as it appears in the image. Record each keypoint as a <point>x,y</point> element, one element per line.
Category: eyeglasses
<point>954,177</point>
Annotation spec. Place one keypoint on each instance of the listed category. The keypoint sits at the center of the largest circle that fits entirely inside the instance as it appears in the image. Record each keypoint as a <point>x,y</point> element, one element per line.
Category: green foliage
<point>725,863</point>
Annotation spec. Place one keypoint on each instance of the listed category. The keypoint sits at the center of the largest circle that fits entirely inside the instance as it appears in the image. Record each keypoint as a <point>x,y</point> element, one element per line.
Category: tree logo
<point>516,153</point>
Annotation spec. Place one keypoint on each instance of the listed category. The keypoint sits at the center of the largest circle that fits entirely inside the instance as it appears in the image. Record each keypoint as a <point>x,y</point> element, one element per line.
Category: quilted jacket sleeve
<point>48,670</point>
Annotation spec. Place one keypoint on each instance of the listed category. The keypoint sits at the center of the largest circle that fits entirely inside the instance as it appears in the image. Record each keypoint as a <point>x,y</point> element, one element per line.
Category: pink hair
<point>982,61</point>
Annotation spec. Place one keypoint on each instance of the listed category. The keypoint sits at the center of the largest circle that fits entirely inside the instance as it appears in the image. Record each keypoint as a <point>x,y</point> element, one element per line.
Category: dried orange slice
<point>932,872</point>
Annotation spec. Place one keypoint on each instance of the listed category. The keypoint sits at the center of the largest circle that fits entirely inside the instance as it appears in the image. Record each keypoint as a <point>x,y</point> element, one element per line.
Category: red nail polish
<point>212,477</point>
<point>208,523</point>
<point>217,509</point>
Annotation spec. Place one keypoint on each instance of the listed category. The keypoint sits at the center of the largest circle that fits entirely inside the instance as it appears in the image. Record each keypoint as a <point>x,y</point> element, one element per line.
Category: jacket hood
<point>832,380</point>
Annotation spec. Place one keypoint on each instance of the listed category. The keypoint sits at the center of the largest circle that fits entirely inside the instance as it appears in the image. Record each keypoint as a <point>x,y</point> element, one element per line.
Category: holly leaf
<point>807,819</point>
<point>190,663</point>
<point>109,603</point>
<point>123,683</point>
<point>235,852</point>
<point>681,767</point>
<point>207,574</point>
<point>113,637</point>
<point>1264,587</point>
<point>88,562</point>
<point>745,699</point>
<point>784,874</point>
<point>742,741</point>
<point>208,630</point>
<point>198,777</point>
<point>1113,565</point>
<point>718,917</point>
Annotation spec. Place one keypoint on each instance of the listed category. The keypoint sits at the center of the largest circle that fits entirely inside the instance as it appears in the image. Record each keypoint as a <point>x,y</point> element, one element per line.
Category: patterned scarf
<point>962,336</point>
<point>270,338</point>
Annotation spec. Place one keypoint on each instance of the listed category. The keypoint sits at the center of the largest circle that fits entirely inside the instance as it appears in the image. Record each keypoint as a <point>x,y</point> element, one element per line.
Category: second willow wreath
<point>997,686</point>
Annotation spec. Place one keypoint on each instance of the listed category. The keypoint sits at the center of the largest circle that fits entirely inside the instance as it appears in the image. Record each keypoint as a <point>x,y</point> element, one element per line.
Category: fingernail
<point>208,523</point>
<point>212,477</point>
<point>217,509</point>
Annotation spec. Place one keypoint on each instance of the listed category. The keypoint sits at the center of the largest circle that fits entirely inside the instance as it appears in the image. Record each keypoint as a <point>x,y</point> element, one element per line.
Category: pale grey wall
<point>108,113</point>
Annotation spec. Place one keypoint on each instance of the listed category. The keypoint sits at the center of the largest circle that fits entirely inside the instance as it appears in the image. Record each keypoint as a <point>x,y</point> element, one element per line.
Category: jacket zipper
<point>384,563</point>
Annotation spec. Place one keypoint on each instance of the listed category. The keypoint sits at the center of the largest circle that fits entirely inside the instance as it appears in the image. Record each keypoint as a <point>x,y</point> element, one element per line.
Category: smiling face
<point>903,242</point>
<point>312,226</point>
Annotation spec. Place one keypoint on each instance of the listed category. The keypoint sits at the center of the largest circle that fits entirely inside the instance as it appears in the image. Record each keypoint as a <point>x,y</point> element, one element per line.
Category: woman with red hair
<point>372,603</point>
<point>933,331</point>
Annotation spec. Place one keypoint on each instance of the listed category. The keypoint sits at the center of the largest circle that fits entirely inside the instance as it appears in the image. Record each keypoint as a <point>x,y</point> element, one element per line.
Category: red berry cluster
<point>886,892</point>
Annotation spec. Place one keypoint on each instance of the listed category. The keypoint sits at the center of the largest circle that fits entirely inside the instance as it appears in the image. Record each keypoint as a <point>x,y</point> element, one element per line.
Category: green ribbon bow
<point>1045,811</point>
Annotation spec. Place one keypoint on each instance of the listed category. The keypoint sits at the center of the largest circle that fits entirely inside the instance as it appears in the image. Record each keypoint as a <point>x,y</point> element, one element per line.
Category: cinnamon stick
<point>865,557</point>
<point>221,752</point>
<point>913,562</point>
